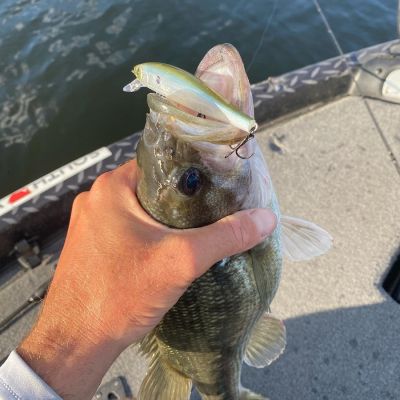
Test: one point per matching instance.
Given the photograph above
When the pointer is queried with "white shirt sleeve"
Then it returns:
(19, 382)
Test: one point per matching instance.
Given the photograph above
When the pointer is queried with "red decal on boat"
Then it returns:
(18, 195)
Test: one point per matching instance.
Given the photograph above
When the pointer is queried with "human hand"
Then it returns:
(120, 271)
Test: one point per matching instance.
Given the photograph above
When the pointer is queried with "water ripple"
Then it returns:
(118, 23)
(22, 115)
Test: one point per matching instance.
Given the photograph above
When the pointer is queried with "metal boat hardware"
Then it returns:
(116, 389)
(391, 283)
(28, 253)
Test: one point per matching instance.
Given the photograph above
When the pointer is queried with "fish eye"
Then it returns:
(190, 181)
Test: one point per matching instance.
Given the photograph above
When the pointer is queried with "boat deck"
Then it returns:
(330, 166)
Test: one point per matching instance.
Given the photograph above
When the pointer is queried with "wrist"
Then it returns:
(69, 361)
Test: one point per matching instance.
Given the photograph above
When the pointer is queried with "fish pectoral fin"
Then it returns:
(148, 346)
(302, 240)
(161, 381)
(246, 394)
(164, 383)
(267, 341)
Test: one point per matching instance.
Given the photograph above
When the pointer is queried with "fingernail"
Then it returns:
(265, 220)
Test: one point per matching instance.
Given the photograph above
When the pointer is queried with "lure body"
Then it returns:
(183, 88)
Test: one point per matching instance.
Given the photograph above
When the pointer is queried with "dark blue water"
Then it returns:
(63, 63)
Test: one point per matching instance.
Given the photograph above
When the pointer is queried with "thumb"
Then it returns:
(231, 235)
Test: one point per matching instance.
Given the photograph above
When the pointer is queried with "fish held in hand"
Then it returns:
(186, 181)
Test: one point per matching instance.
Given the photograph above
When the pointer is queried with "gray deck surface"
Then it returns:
(343, 329)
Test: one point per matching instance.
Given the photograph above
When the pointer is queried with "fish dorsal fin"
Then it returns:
(302, 240)
(267, 341)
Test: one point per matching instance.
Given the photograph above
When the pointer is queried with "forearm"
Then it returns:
(69, 361)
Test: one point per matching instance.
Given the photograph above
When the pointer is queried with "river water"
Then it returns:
(63, 63)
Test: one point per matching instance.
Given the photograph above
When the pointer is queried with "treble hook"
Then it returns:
(238, 146)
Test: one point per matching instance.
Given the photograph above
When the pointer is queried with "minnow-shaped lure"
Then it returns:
(187, 90)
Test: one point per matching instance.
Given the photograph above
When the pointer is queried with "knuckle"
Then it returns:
(100, 188)
(79, 201)
(102, 182)
(78, 205)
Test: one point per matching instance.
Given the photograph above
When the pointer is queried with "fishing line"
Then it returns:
(260, 43)
(367, 106)
(398, 18)
(33, 299)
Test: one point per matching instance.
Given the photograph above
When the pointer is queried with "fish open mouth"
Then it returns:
(187, 125)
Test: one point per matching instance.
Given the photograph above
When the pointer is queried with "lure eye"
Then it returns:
(190, 182)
